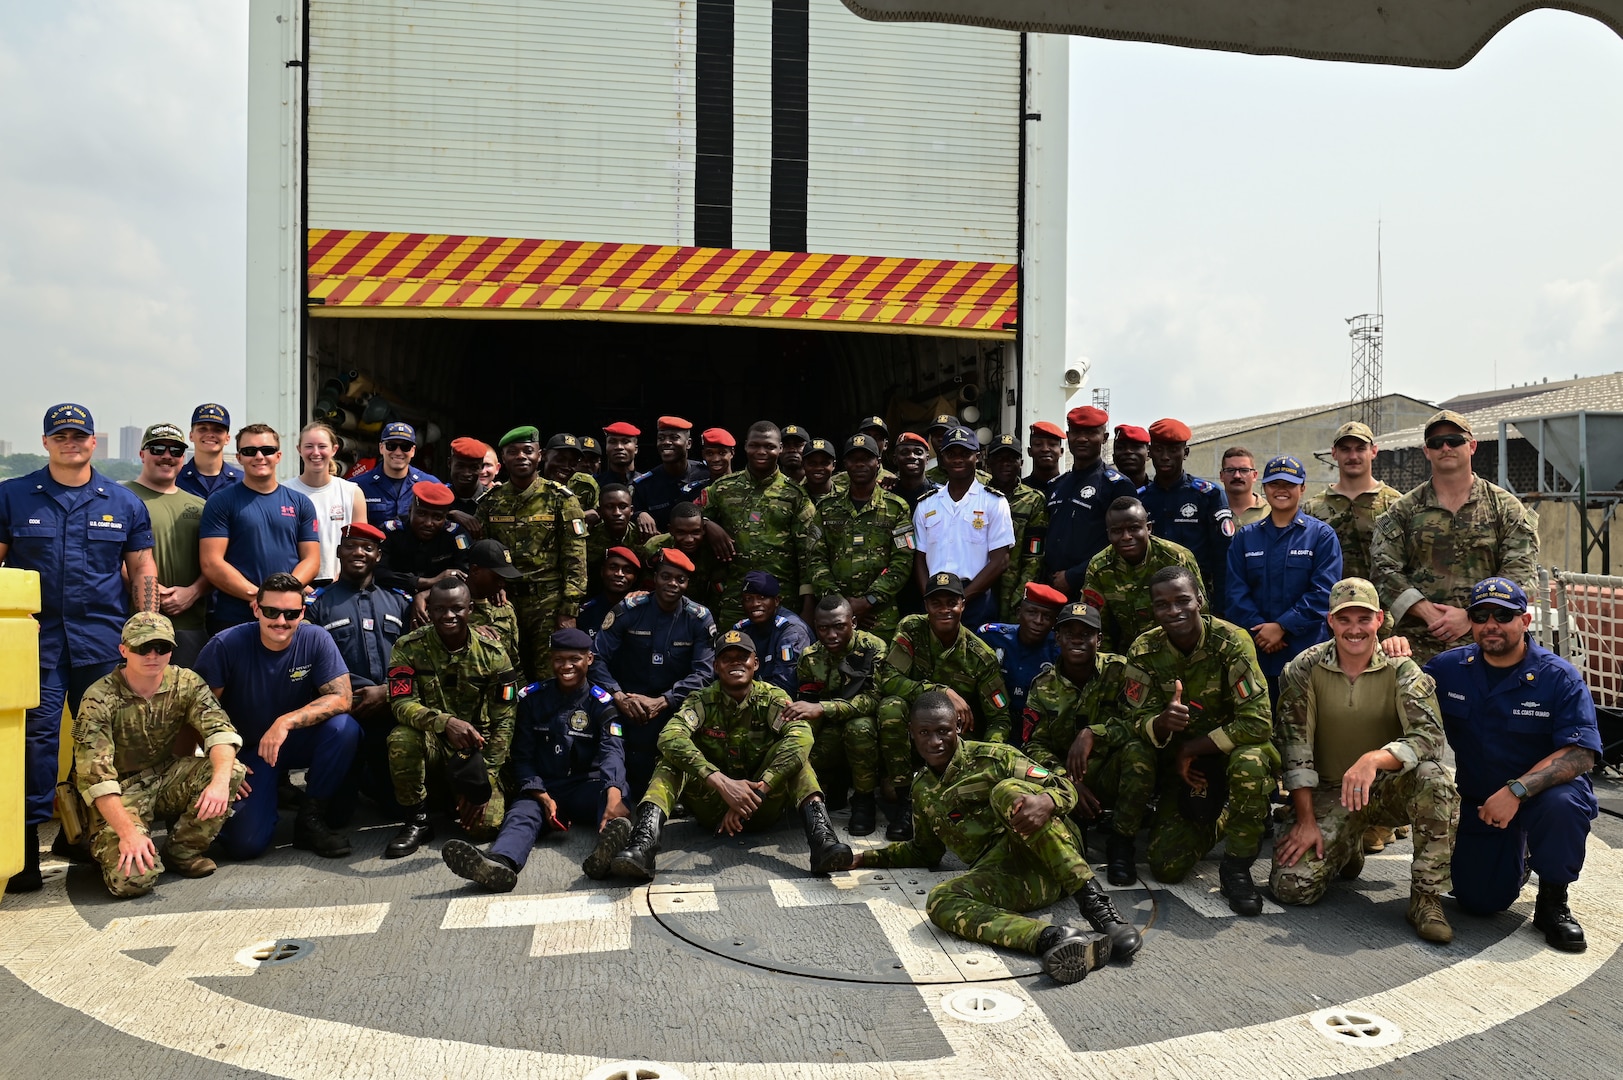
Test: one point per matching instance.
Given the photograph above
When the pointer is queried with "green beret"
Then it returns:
(528, 433)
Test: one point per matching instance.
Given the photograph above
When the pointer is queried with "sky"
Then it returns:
(1222, 220)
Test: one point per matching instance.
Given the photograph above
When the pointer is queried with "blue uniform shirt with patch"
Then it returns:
(649, 651)
(656, 491)
(388, 498)
(364, 623)
(1283, 576)
(1020, 665)
(562, 736)
(778, 645)
(1077, 502)
(1195, 513)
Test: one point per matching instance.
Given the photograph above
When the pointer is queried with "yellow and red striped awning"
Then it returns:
(402, 274)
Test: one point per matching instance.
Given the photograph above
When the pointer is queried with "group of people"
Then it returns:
(999, 657)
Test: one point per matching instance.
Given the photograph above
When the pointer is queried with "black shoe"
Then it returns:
(610, 840)
(289, 796)
(310, 832)
(636, 859)
(413, 834)
(1234, 881)
(1551, 915)
(1068, 954)
(1121, 861)
(834, 796)
(29, 878)
(75, 853)
(901, 824)
(466, 861)
(1101, 913)
(864, 813)
(827, 853)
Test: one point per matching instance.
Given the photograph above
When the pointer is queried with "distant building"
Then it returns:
(1304, 433)
(103, 449)
(5, 448)
(129, 442)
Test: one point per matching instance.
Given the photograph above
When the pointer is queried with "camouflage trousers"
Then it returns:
(1015, 875)
(417, 759)
(705, 804)
(537, 619)
(852, 744)
(166, 792)
(1124, 781)
(1425, 796)
(1177, 843)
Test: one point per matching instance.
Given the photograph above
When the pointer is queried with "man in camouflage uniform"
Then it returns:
(1362, 740)
(763, 521)
(1005, 816)
(128, 774)
(1119, 576)
(687, 536)
(1196, 693)
(1440, 539)
(836, 696)
(1028, 510)
(490, 572)
(454, 695)
(934, 651)
(867, 541)
(539, 522)
(560, 463)
(1076, 719)
(735, 760)
(614, 527)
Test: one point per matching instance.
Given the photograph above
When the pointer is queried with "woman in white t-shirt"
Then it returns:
(339, 502)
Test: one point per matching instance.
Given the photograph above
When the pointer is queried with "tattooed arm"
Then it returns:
(142, 571)
(332, 698)
(1567, 763)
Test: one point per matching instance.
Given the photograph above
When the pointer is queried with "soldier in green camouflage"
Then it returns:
(1438, 540)
(539, 522)
(1004, 815)
(128, 774)
(614, 527)
(1028, 510)
(490, 571)
(759, 519)
(836, 696)
(454, 695)
(935, 651)
(1196, 693)
(1075, 719)
(735, 758)
(867, 541)
(1118, 578)
(1361, 736)
(686, 536)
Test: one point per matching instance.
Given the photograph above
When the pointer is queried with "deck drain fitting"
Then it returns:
(275, 953)
(634, 1070)
(982, 1006)
(1348, 1027)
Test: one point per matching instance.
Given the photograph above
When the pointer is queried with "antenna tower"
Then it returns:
(1367, 333)
(1101, 398)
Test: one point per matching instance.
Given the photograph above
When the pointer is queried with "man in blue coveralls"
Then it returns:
(77, 529)
(387, 488)
(1522, 725)
(1024, 648)
(1188, 510)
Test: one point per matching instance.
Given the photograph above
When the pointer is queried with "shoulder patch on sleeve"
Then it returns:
(633, 601)
(615, 729)
(462, 542)
(1200, 483)
(402, 680)
(1037, 772)
(1134, 691)
(601, 694)
(526, 691)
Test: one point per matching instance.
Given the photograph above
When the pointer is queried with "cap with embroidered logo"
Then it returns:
(399, 431)
(1284, 467)
(942, 420)
(960, 436)
(1499, 591)
(1080, 612)
(158, 433)
(1005, 442)
(211, 413)
(819, 446)
(1354, 592)
(1353, 429)
(794, 431)
(589, 445)
(492, 555)
(946, 582)
(735, 639)
(564, 441)
(68, 417)
(860, 442)
(874, 422)
(145, 626)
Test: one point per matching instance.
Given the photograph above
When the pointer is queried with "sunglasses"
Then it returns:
(166, 450)
(1437, 442)
(275, 614)
(1497, 614)
(398, 447)
(151, 647)
(258, 451)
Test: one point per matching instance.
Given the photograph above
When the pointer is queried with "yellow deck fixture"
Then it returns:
(19, 692)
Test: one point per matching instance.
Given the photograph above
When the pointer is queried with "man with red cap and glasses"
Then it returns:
(425, 549)
(1078, 501)
(1130, 453)
(619, 454)
(1046, 445)
(675, 479)
(1189, 510)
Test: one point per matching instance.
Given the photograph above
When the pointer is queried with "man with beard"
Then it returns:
(1077, 502)
(182, 589)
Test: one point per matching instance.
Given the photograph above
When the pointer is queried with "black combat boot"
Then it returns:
(413, 834)
(495, 873)
(1068, 954)
(1234, 881)
(1102, 915)
(864, 813)
(609, 841)
(1551, 915)
(901, 824)
(29, 878)
(827, 853)
(636, 859)
(1121, 860)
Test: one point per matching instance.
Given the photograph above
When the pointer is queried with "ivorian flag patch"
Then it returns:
(579, 526)
(1000, 700)
(1248, 688)
(401, 680)
(1135, 691)
(614, 729)
(1036, 772)
(510, 691)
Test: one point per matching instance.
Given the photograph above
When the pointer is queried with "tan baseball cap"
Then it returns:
(1353, 592)
(145, 626)
(1356, 430)
(1449, 416)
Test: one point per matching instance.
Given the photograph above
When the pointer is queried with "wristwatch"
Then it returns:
(1517, 788)
(873, 601)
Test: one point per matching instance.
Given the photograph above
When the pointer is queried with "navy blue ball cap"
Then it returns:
(69, 417)
(1284, 467)
(1501, 592)
(761, 583)
(572, 639)
(211, 413)
(960, 436)
(399, 431)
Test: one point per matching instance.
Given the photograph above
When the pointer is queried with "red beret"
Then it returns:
(1131, 433)
(1044, 427)
(625, 553)
(1169, 430)
(362, 529)
(432, 494)
(1087, 416)
(913, 436)
(716, 436)
(1044, 594)
(675, 557)
(620, 427)
(472, 449)
(675, 423)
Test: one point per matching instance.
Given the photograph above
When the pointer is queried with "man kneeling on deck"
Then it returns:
(1005, 816)
(763, 765)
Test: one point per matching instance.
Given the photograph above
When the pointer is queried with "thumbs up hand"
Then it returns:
(1175, 717)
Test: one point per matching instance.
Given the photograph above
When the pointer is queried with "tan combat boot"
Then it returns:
(195, 867)
(1426, 916)
(1376, 837)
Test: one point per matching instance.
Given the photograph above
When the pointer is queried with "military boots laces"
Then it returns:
(311, 832)
(1552, 915)
(1101, 913)
(1234, 881)
(827, 853)
(636, 859)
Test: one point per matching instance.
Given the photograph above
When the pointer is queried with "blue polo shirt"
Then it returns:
(76, 539)
(263, 533)
(1283, 576)
(258, 684)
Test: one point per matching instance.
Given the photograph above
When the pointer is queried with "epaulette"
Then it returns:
(740, 624)
(781, 620)
(693, 607)
(392, 525)
(635, 601)
(600, 694)
(311, 597)
(1112, 475)
(488, 633)
(526, 691)
(996, 628)
(402, 593)
(1201, 484)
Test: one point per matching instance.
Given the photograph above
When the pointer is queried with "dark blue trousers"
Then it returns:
(1548, 833)
(581, 804)
(42, 739)
(326, 750)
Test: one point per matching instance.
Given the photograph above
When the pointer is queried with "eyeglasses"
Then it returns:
(166, 450)
(1497, 614)
(258, 451)
(1437, 442)
(398, 447)
(1238, 472)
(150, 647)
(276, 614)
